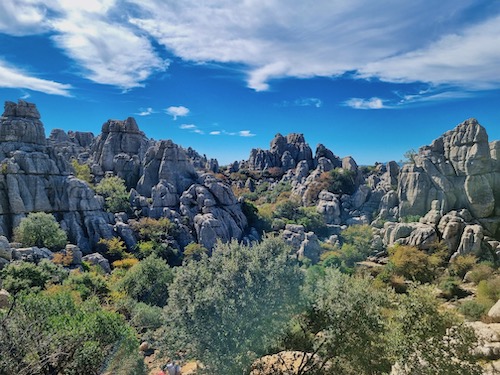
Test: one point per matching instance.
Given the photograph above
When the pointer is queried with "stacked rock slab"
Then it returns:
(460, 170)
(120, 149)
(34, 177)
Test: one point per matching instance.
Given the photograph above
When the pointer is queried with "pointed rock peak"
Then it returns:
(117, 126)
(21, 109)
(295, 138)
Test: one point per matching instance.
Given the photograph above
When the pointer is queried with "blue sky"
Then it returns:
(370, 79)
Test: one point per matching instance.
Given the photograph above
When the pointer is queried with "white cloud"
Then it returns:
(145, 112)
(245, 133)
(179, 111)
(22, 17)
(372, 103)
(198, 131)
(187, 126)
(215, 132)
(303, 102)
(397, 41)
(15, 78)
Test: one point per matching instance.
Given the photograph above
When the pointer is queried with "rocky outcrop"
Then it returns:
(120, 149)
(34, 177)
(71, 145)
(285, 153)
(201, 162)
(459, 170)
(305, 244)
(167, 164)
(214, 211)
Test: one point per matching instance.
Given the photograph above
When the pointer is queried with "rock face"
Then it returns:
(285, 152)
(120, 148)
(305, 244)
(459, 170)
(36, 178)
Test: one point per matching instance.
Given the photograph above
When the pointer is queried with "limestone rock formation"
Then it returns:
(36, 178)
(285, 152)
(305, 244)
(120, 148)
(459, 170)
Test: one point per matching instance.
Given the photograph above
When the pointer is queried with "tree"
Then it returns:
(226, 309)
(82, 171)
(425, 340)
(42, 230)
(115, 194)
(54, 334)
(148, 281)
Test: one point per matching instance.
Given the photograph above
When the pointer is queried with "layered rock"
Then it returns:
(120, 149)
(285, 152)
(36, 178)
(459, 170)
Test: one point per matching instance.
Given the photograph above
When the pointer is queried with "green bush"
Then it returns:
(82, 171)
(88, 284)
(194, 251)
(53, 334)
(413, 264)
(461, 265)
(472, 310)
(488, 291)
(450, 287)
(25, 276)
(147, 281)
(480, 272)
(115, 194)
(42, 230)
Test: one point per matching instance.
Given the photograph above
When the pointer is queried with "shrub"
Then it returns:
(147, 281)
(40, 229)
(472, 310)
(114, 248)
(411, 219)
(194, 251)
(88, 284)
(461, 265)
(479, 272)
(115, 194)
(342, 181)
(413, 264)
(82, 171)
(125, 263)
(488, 291)
(450, 288)
(25, 276)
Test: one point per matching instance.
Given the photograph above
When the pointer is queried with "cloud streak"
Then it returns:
(358, 103)
(145, 112)
(14, 78)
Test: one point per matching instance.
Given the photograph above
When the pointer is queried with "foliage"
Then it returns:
(226, 309)
(413, 264)
(23, 276)
(155, 236)
(125, 263)
(146, 317)
(461, 265)
(114, 248)
(480, 272)
(40, 229)
(88, 284)
(194, 251)
(147, 281)
(291, 212)
(410, 156)
(488, 291)
(411, 219)
(427, 341)
(450, 288)
(53, 334)
(341, 181)
(115, 194)
(82, 171)
(472, 309)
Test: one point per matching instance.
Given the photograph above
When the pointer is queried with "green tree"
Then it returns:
(115, 194)
(425, 340)
(226, 309)
(53, 334)
(40, 229)
(148, 281)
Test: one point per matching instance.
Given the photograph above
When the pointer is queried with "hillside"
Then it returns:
(153, 237)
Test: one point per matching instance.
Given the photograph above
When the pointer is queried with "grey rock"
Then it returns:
(494, 313)
(5, 249)
(4, 299)
(98, 260)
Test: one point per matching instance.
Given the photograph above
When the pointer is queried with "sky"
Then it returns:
(368, 79)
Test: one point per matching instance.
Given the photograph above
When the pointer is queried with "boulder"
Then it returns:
(4, 299)
(97, 259)
(494, 312)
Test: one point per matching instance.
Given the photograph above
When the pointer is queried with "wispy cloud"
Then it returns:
(396, 41)
(303, 102)
(179, 111)
(187, 126)
(245, 133)
(215, 132)
(198, 131)
(22, 17)
(145, 112)
(15, 78)
(358, 103)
